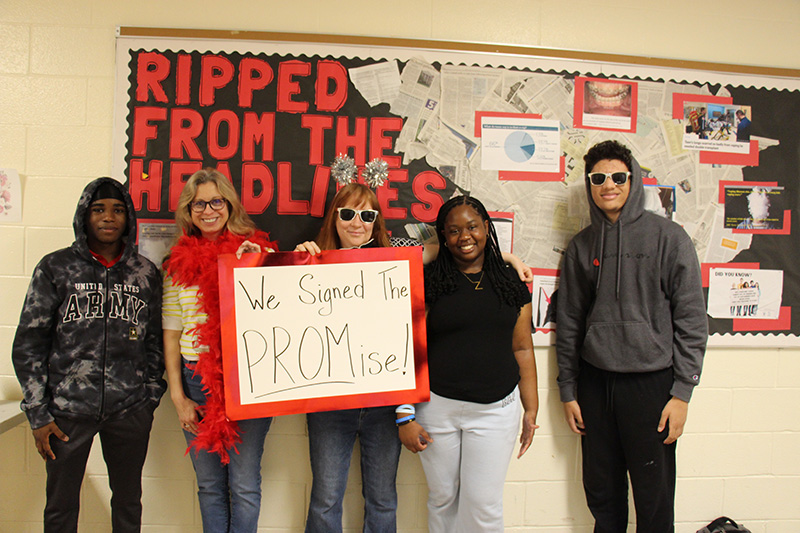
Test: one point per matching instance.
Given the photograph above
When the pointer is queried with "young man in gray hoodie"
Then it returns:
(632, 331)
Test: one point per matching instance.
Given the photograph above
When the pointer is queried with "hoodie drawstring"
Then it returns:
(600, 257)
(619, 254)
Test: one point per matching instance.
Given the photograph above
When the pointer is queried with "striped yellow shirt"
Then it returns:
(180, 311)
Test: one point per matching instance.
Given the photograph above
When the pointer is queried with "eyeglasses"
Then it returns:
(200, 205)
(599, 178)
(367, 216)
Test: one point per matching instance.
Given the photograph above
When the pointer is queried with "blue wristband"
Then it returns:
(404, 420)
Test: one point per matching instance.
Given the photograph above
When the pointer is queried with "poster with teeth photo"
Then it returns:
(605, 104)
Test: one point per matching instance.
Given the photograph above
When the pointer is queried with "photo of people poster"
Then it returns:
(754, 207)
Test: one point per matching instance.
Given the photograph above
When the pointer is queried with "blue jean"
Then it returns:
(229, 495)
(331, 437)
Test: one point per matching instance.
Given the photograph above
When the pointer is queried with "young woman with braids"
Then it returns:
(481, 364)
(226, 455)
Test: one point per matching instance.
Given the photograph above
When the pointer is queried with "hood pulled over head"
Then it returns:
(631, 211)
(99, 189)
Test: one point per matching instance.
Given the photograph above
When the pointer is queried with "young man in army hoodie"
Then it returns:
(631, 335)
(88, 356)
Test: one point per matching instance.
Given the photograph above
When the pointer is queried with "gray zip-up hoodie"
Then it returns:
(630, 298)
(88, 342)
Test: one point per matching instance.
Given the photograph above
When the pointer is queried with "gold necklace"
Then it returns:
(477, 284)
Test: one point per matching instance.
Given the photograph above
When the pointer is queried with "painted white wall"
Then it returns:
(739, 455)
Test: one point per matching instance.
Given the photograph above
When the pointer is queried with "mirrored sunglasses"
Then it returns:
(367, 216)
(599, 178)
(200, 205)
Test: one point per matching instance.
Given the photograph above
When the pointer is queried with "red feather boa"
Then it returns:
(193, 261)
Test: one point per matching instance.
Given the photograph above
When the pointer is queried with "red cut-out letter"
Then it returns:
(331, 73)
(231, 120)
(252, 173)
(258, 130)
(143, 130)
(387, 194)
(179, 172)
(429, 202)
(215, 73)
(286, 205)
(254, 75)
(149, 184)
(183, 80)
(288, 87)
(319, 190)
(151, 69)
(378, 142)
(185, 125)
(316, 126)
(357, 141)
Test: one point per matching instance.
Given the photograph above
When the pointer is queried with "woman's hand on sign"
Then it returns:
(308, 246)
(247, 247)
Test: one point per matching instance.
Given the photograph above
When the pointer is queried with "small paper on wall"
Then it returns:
(377, 83)
(742, 293)
(544, 311)
(606, 104)
(520, 144)
(155, 239)
(10, 196)
(504, 228)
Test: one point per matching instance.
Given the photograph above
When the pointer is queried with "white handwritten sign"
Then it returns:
(324, 334)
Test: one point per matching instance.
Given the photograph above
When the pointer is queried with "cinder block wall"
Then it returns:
(740, 453)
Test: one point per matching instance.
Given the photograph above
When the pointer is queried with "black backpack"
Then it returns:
(723, 524)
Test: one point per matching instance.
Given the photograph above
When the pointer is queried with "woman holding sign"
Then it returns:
(481, 364)
(226, 455)
(354, 220)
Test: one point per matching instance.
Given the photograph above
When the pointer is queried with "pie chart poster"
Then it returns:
(520, 144)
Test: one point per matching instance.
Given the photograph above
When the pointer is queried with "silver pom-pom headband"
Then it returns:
(376, 172)
(344, 171)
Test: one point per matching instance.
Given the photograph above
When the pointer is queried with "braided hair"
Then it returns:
(441, 275)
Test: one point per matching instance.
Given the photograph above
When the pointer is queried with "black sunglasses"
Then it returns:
(367, 216)
(599, 178)
(200, 205)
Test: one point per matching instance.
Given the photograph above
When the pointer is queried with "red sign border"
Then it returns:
(236, 411)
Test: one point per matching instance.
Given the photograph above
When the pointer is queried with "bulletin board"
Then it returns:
(508, 125)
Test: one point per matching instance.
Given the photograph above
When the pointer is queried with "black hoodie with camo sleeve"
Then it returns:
(89, 342)
(630, 298)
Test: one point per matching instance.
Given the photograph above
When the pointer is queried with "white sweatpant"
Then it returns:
(467, 462)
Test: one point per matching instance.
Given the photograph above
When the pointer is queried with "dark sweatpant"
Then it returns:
(621, 414)
(124, 442)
